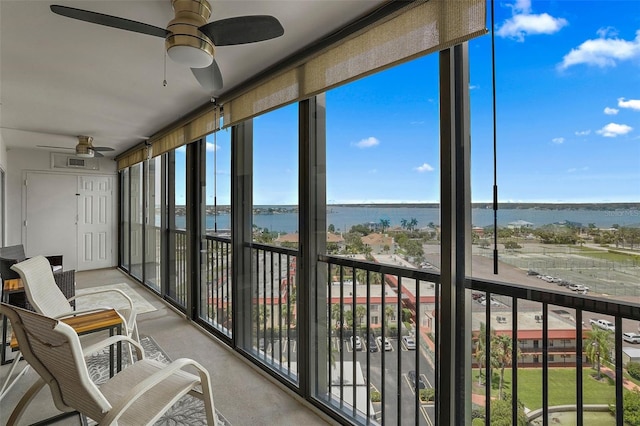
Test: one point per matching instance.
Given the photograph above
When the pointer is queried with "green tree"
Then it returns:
(512, 245)
(480, 351)
(501, 348)
(361, 313)
(403, 223)
(598, 347)
(384, 224)
(413, 223)
(389, 312)
(331, 228)
(501, 413)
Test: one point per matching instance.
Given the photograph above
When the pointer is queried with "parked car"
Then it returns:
(603, 324)
(578, 287)
(631, 337)
(413, 377)
(373, 346)
(387, 343)
(533, 273)
(358, 344)
(409, 342)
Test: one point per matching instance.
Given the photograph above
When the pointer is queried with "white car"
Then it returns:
(387, 343)
(358, 344)
(409, 342)
(578, 287)
(631, 337)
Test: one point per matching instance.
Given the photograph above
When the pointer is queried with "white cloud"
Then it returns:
(603, 52)
(557, 140)
(473, 86)
(424, 168)
(367, 143)
(631, 103)
(583, 132)
(610, 111)
(612, 130)
(524, 23)
(212, 147)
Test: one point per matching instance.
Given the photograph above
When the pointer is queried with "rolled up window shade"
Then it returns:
(419, 29)
(196, 128)
(131, 158)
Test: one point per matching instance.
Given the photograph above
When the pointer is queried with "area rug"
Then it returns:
(187, 411)
(112, 299)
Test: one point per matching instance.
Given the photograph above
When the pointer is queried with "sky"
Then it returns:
(568, 113)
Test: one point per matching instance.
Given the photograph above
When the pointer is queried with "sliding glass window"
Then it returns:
(275, 239)
(215, 288)
(177, 251)
(125, 228)
(137, 219)
(153, 227)
(383, 252)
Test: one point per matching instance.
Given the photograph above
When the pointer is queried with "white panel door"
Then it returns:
(50, 216)
(95, 222)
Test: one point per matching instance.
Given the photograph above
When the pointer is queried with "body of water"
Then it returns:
(344, 217)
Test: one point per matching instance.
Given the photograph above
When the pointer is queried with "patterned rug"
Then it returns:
(188, 411)
(112, 299)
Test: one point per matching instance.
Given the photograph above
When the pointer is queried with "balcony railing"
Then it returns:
(274, 308)
(177, 288)
(216, 303)
(368, 313)
(555, 307)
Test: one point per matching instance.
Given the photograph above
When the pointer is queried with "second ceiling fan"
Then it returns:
(189, 38)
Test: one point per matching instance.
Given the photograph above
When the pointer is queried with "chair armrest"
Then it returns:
(112, 341)
(153, 380)
(130, 321)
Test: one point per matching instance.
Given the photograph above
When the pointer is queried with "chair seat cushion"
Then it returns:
(152, 404)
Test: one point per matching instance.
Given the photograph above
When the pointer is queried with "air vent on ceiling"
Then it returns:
(62, 161)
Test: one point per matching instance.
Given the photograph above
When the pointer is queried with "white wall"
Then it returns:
(19, 162)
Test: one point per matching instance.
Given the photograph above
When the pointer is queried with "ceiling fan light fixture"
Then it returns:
(85, 152)
(189, 51)
(185, 44)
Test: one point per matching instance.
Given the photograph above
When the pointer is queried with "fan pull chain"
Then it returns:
(164, 82)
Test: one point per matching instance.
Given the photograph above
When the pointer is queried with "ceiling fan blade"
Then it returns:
(54, 147)
(109, 21)
(97, 154)
(242, 30)
(102, 148)
(210, 78)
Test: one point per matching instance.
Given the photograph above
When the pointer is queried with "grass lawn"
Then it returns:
(607, 255)
(562, 386)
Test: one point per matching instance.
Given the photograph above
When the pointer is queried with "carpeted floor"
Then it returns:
(188, 411)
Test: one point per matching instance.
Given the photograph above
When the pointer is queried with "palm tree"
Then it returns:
(384, 223)
(361, 312)
(501, 348)
(388, 314)
(413, 223)
(336, 312)
(598, 346)
(403, 223)
(480, 352)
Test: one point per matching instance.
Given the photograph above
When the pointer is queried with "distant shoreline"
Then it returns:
(501, 206)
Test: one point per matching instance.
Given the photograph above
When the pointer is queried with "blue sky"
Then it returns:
(568, 110)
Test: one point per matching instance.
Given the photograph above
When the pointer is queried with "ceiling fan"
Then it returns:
(189, 39)
(84, 148)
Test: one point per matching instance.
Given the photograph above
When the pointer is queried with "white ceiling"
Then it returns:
(60, 77)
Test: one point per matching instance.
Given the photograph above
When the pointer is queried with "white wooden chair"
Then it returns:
(46, 298)
(137, 395)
